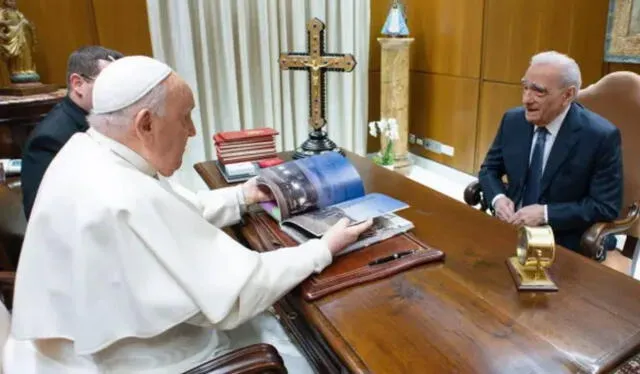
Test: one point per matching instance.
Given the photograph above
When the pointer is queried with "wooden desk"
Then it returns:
(463, 315)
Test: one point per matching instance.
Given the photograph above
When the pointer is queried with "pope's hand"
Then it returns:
(254, 193)
(342, 235)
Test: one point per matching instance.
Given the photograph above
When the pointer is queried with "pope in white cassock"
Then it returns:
(122, 271)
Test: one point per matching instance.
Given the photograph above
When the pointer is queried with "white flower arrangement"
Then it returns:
(389, 129)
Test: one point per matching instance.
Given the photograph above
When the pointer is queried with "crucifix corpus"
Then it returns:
(317, 63)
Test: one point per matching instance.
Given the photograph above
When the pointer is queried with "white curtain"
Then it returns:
(227, 51)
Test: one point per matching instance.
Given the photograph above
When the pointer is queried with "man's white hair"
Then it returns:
(119, 121)
(569, 67)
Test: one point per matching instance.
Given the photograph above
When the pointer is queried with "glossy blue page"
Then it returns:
(333, 176)
(311, 183)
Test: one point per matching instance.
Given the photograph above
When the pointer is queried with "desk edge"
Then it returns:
(204, 175)
(333, 338)
(625, 351)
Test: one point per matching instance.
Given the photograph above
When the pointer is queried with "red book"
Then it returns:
(259, 139)
(234, 136)
(270, 162)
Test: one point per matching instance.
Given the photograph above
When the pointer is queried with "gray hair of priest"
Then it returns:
(570, 70)
(119, 121)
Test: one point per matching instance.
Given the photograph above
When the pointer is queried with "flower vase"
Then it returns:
(388, 129)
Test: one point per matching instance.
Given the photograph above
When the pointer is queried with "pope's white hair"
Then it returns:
(569, 67)
(119, 121)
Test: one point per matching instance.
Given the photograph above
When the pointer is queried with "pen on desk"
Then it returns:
(392, 257)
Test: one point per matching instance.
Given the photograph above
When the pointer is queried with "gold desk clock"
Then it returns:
(534, 255)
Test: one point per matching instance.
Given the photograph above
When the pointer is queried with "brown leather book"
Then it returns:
(377, 261)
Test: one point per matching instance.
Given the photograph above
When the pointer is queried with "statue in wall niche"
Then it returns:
(17, 47)
(17, 43)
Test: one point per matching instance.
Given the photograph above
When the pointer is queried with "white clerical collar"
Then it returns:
(556, 123)
(123, 151)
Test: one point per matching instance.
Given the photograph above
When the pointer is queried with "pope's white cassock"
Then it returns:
(124, 272)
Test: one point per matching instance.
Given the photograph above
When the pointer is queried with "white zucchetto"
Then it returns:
(125, 81)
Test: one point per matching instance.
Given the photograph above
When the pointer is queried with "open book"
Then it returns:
(312, 194)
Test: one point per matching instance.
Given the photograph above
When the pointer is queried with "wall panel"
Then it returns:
(517, 29)
(495, 99)
(131, 36)
(444, 108)
(448, 36)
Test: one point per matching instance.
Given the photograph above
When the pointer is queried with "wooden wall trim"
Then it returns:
(480, 90)
(92, 21)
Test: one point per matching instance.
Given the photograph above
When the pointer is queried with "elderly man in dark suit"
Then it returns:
(563, 162)
(64, 120)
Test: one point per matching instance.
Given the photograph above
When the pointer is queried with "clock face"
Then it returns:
(536, 246)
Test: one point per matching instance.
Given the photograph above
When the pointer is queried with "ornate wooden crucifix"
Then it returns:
(317, 63)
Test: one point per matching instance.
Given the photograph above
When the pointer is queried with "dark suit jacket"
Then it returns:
(582, 180)
(44, 142)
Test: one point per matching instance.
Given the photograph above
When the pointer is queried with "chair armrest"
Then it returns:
(254, 359)
(7, 281)
(473, 195)
(7, 278)
(592, 240)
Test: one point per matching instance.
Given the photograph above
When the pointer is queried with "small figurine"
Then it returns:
(17, 43)
(396, 23)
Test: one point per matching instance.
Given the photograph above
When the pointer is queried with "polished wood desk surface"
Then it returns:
(465, 315)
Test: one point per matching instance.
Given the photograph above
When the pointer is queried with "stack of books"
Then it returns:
(245, 145)
(238, 152)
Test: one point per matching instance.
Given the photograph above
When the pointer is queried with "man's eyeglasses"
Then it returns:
(87, 78)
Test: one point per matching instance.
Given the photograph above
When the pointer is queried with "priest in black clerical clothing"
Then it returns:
(64, 120)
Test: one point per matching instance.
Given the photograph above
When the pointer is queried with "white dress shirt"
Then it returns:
(553, 127)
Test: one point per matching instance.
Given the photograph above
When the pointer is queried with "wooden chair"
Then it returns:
(254, 359)
(615, 97)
